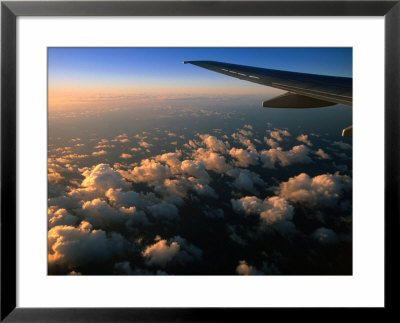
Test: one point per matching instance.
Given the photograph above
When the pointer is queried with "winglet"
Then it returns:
(347, 132)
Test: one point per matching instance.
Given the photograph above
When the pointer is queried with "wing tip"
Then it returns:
(347, 132)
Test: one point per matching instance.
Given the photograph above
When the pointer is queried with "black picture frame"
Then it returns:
(10, 10)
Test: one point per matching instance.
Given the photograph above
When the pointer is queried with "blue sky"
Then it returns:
(165, 64)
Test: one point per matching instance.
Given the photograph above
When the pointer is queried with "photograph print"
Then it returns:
(199, 161)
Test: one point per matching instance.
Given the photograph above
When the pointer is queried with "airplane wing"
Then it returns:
(303, 90)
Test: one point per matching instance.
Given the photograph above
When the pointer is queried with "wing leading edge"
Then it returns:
(303, 90)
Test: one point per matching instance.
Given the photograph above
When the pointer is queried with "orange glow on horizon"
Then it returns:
(66, 97)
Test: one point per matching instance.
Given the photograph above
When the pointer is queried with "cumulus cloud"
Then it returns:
(99, 213)
(195, 168)
(201, 187)
(340, 167)
(126, 156)
(121, 138)
(267, 269)
(128, 205)
(304, 138)
(244, 269)
(341, 145)
(273, 156)
(77, 246)
(244, 158)
(144, 144)
(126, 199)
(102, 177)
(273, 210)
(324, 190)
(213, 144)
(68, 158)
(242, 137)
(271, 142)
(136, 149)
(99, 153)
(98, 180)
(164, 210)
(125, 268)
(148, 171)
(174, 251)
(325, 236)
(322, 154)
(180, 187)
(54, 177)
(245, 180)
(60, 217)
(277, 134)
(211, 160)
(172, 160)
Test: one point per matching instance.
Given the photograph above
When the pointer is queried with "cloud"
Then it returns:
(124, 268)
(195, 168)
(211, 160)
(65, 159)
(125, 156)
(123, 209)
(244, 269)
(341, 145)
(213, 212)
(60, 217)
(144, 144)
(321, 190)
(245, 180)
(298, 154)
(62, 201)
(278, 133)
(148, 171)
(99, 153)
(121, 138)
(136, 149)
(102, 177)
(98, 180)
(244, 158)
(54, 177)
(172, 160)
(164, 210)
(273, 210)
(180, 187)
(325, 236)
(340, 167)
(101, 214)
(201, 187)
(267, 269)
(126, 199)
(241, 136)
(322, 154)
(214, 144)
(304, 138)
(74, 273)
(100, 146)
(176, 250)
(271, 142)
(74, 247)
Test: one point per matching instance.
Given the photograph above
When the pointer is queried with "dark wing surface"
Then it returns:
(303, 90)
